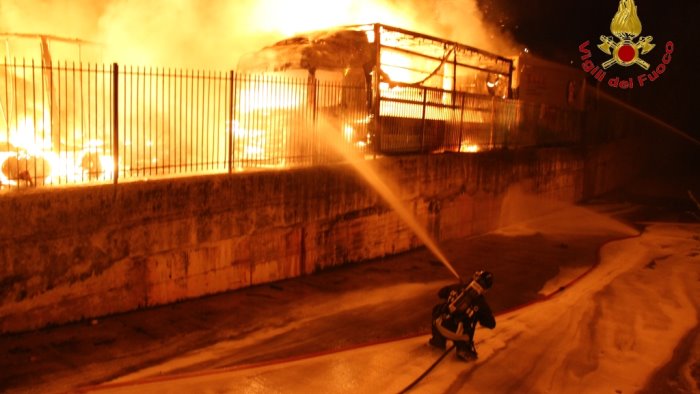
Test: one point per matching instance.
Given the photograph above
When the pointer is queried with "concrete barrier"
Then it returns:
(82, 252)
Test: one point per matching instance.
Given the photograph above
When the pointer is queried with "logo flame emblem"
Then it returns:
(626, 26)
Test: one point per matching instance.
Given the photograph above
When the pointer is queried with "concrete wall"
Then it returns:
(73, 253)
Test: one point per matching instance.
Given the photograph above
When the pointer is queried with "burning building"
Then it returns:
(418, 93)
(36, 104)
(383, 89)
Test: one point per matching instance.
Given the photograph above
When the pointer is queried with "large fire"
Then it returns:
(187, 33)
(422, 88)
(213, 34)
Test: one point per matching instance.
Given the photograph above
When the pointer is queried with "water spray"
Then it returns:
(370, 175)
(646, 116)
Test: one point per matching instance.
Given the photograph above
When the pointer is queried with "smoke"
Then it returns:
(462, 21)
(66, 18)
(213, 34)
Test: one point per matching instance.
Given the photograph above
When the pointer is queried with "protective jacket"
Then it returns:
(461, 322)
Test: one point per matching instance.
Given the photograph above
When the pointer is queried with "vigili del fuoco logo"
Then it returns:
(627, 49)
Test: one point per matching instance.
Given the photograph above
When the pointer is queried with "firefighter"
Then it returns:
(456, 317)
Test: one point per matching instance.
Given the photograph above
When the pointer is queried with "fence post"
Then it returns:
(461, 124)
(230, 118)
(377, 93)
(115, 120)
(316, 140)
(454, 77)
(510, 79)
(422, 133)
(492, 143)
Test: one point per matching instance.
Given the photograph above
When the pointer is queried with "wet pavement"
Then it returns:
(346, 307)
(626, 325)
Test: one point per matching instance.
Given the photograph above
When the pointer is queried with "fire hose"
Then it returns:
(427, 371)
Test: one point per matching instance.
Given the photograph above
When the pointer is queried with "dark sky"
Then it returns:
(554, 29)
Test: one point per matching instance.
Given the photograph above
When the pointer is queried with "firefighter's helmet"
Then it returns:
(484, 278)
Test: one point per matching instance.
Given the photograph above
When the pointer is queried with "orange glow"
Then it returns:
(26, 137)
(32, 159)
(467, 146)
(397, 67)
(253, 145)
(213, 35)
(291, 17)
(268, 95)
(459, 20)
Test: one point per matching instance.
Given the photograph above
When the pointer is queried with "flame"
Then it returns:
(467, 146)
(396, 66)
(626, 24)
(267, 95)
(25, 137)
(255, 145)
(190, 33)
(33, 160)
(215, 33)
(287, 18)
(93, 163)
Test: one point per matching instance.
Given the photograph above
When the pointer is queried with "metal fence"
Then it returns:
(427, 120)
(69, 123)
(56, 123)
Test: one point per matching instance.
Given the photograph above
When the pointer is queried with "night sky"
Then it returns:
(554, 29)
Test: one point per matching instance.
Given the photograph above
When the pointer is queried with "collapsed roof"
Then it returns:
(328, 50)
(400, 56)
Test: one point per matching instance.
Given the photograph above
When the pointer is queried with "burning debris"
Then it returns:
(38, 142)
(401, 57)
(24, 168)
(323, 50)
(384, 89)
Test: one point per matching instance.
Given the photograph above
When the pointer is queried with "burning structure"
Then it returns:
(418, 91)
(35, 104)
(384, 89)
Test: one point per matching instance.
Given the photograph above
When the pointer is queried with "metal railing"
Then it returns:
(71, 123)
(421, 119)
